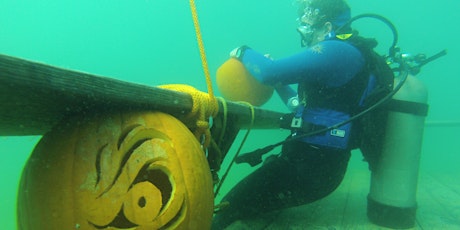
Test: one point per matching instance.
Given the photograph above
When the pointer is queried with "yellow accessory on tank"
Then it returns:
(235, 83)
(126, 170)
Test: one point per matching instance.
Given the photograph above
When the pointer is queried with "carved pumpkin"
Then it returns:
(237, 84)
(118, 171)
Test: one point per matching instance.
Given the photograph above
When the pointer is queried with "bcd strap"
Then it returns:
(416, 108)
(292, 122)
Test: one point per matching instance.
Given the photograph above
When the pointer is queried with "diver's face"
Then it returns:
(311, 29)
(312, 34)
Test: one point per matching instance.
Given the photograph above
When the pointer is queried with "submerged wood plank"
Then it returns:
(35, 96)
(438, 203)
(327, 213)
(355, 211)
(448, 179)
(438, 207)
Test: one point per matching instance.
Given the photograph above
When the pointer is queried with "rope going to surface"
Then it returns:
(204, 62)
(210, 91)
(212, 100)
(205, 105)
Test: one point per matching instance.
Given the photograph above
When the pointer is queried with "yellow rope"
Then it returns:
(209, 100)
(202, 109)
(205, 105)
(202, 54)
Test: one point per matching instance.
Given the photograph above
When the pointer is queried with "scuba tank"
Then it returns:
(394, 172)
(393, 147)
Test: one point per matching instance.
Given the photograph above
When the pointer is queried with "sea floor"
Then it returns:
(438, 199)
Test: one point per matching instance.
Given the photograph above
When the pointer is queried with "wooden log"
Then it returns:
(35, 96)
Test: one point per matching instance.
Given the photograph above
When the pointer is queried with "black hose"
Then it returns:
(255, 157)
(393, 49)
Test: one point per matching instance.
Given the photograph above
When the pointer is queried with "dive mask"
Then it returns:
(311, 18)
(307, 23)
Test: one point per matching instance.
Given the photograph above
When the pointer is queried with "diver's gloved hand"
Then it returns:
(238, 52)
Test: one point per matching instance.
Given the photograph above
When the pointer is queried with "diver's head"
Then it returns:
(318, 19)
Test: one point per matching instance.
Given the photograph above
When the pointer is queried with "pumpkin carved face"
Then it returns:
(119, 171)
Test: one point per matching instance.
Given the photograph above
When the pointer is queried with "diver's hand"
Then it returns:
(238, 52)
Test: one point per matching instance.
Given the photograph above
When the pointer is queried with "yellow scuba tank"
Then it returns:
(392, 196)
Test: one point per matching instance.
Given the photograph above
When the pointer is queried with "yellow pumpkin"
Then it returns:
(137, 170)
(237, 84)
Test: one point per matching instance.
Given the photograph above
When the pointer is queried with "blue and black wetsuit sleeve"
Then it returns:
(330, 64)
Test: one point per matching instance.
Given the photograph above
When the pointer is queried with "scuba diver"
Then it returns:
(332, 84)
(338, 75)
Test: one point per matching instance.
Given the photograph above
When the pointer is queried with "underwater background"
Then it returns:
(153, 42)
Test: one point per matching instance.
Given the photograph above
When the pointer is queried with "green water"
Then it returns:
(153, 42)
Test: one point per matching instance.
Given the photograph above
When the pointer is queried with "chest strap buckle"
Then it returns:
(296, 122)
